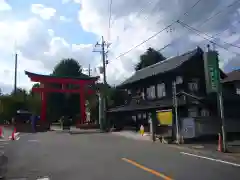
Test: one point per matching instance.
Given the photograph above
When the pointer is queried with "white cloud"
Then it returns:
(65, 1)
(135, 21)
(65, 19)
(4, 6)
(40, 48)
(45, 13)
(69, 1)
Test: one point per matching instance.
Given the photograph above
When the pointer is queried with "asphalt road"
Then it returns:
(98, 156)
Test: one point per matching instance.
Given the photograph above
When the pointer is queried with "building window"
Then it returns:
(179, 80)
(134, 118)
(161, 90)
(139, 116)
(193, 85)
(144, 116)
(238, 91)
(193, 112)
(143, 95)
(151, 94)
(205, 113)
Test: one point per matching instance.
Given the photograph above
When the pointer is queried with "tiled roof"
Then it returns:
(161, 67)
(166, 103)
(82, 77)
(232, 76)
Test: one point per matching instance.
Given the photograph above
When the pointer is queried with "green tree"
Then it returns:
(117, 97)
(21, 95)
(68, 68)
(60, 104)
(21, 100)
(150, 57)
(36, 85)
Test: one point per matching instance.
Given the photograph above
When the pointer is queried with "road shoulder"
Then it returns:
(233, 157)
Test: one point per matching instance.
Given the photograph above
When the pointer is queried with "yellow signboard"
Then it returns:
(165, 117)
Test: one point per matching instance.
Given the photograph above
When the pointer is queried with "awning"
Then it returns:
(160, 104)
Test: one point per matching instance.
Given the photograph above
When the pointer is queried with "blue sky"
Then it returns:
(71, 31)
(47, 31)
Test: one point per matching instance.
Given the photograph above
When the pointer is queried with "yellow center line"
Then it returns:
(147, 169)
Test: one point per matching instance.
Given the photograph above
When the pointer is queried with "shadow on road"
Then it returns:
(3, 166)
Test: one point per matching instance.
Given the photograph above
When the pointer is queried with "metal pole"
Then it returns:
(104, 81)
(104, 61)
(15, 74)
(153, 125)
(176, 110)
(89, 70)
(100, 111)
(220, 100)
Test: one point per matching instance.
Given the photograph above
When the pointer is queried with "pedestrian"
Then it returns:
(33, 122)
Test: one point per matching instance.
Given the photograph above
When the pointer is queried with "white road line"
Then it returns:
(3, 140)
(33, 140)
(211, 159)
(5, 143)
(44, 178)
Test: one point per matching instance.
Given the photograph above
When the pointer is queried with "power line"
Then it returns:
(164, 47)
(122, 54)
(145, 40)
(223, 31)
(110, 17)
(204, 22)
(149, 2)
(230, 44)
(200, 35)
(219, 12)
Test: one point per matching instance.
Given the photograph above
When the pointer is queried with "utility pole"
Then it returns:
(221, 107)
(212, 74)
(105, 84)
(103, 101)
(89, 70)
(175, 104)
(15, 74)
(104, 61)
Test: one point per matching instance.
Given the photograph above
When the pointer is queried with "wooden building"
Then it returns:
(151, 89)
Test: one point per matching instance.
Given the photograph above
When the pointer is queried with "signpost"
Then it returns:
(213, 85)
(165, 117)
(212, 72)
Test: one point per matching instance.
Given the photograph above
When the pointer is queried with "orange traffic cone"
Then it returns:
(13, 133)
(219, 142)
(1, 132)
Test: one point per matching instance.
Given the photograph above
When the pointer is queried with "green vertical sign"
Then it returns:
(212, 73)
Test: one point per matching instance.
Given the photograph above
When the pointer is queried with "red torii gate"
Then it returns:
(44, 80)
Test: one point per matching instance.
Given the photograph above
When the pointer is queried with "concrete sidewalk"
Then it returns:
(212, 150)
(74, 130)
(199, 148)
(133, 135)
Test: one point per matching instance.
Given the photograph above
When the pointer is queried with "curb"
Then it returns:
(203, 151)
